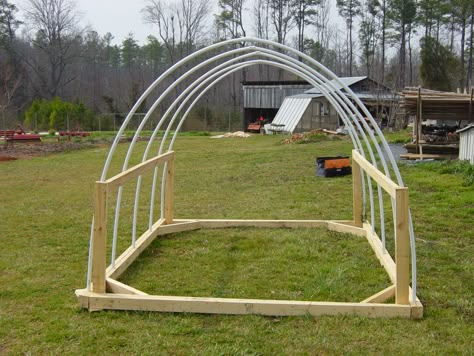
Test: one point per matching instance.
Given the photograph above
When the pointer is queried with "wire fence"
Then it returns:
(201, 121)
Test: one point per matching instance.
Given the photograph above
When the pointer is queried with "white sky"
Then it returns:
(120, 17)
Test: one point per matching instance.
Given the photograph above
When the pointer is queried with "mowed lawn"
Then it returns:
(45, 215)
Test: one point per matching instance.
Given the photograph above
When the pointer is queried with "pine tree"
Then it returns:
(349, 10)
(402, 16)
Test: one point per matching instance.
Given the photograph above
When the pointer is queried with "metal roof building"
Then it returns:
(264, 98)
(311, 110)
(466, 143)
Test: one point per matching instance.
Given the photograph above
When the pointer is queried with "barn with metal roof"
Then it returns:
(311, 110)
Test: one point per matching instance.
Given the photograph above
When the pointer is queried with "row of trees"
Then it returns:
(47, 54)
(443, 25)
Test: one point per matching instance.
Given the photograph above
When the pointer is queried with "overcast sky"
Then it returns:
(120, 17)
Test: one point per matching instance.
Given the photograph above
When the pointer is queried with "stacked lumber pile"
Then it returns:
(437, 105)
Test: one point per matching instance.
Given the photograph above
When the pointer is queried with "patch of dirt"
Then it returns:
(312, 136)
(29, 150)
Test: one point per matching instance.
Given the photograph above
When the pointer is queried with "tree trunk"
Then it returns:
(410, 80)
(350, 48)
(469, 69)
(463, 60)
(402, 57)
(383, 40)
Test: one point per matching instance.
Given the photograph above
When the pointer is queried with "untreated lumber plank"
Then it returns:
(357, 193)
(138, 170)
(131, 253)
(223, 223)
(346, 229)
(383, 256)
(179, 227)
(99, 241)
(402, 247)
(169, 192)
(386, 183)
(117, 287)
(240, 306)
(382, 296)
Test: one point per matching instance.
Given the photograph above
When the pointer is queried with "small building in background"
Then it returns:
(311, 110)
(264, 98)
(466, 143)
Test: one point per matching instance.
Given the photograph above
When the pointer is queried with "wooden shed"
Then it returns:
(466, 143)
(264, 98)
(312, 110)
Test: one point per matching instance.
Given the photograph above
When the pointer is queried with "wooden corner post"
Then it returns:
(357, 192)
(169, 192)
(99, 245)
(402, 247)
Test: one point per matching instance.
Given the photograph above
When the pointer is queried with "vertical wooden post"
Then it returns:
(357, 193)
(470, 104)
(419, 118)
(99, 245)
(402, 247)
(169, 192)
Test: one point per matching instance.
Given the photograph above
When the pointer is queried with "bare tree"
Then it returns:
(10, 82)
(321, 23)
(230, 17)
(180, 26)
(55, 27)
(261, 17)
(163, 17)
(304, 14)
(281, 16)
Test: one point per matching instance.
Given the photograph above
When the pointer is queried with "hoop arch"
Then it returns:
(347, 105)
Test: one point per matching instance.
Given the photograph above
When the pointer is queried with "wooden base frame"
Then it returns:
(119, 296)
(106, 292)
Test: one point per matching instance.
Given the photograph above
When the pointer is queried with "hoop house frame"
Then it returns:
(104, 291)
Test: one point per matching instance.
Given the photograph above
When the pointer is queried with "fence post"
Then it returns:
(402, 247)
(356, 192)
(99, 245)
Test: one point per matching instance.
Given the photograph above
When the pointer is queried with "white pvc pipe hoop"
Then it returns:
(347, 105)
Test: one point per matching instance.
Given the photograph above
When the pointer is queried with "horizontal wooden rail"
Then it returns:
(138, 170)
(99, 301)
(386, 183)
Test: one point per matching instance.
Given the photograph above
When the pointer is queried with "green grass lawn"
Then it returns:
(46, 211)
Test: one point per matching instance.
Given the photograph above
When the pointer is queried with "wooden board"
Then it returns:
(346, 229)
(418, 156)
(387, 184)
(99, 242)
(131, 253)
(357, 199)
(382, 296)
(97, 301)
(138, 170)
(217, 224)
(117, 287)
(169, 192)
(402, 247)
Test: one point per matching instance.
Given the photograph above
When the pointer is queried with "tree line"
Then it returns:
(47, 54)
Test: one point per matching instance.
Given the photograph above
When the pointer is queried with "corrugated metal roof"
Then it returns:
(269, 96)
(468, 127)
(346, 80)
(291, 112)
